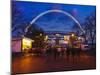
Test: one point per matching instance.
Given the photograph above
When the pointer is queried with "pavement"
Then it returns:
(30, 63)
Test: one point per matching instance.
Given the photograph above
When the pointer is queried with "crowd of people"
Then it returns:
(61, 52)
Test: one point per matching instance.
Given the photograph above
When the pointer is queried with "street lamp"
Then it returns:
(65, 37)
(46, 37)
(57, 35)
(72, 34)
(40, 34)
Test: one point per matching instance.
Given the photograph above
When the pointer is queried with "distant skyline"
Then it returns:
(53, 21)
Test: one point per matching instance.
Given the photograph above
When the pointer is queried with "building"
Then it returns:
(21, 44)
(61, 38)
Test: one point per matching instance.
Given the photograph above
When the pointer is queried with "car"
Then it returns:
(85, 47)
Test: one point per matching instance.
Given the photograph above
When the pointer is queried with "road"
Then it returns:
(35, 64)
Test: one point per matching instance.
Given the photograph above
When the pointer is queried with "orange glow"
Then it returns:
(72, 35)
(40, 34)
(26, 43)
(46, 38)
(66, 38)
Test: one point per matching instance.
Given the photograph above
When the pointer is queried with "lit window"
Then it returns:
(26, 44)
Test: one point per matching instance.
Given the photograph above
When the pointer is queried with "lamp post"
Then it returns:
(72, 34)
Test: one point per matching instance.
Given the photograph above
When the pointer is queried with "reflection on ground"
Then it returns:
(33, 64)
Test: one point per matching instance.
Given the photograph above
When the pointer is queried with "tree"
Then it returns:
(73, 38)
(33, 31)
(89, 25)
(37, 34)
(18, 21)
(90, 28)
(76, 29)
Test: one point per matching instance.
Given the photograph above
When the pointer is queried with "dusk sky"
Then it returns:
(53, 21)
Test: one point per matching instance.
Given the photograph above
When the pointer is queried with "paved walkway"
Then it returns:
(34, 64)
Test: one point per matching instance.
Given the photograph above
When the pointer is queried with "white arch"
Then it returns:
(58, 11)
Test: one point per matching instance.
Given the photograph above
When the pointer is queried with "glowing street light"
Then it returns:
(65, 37)
(46, 38)
(57, 35)
(79, 38)
(40, 34)
(72, 35)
